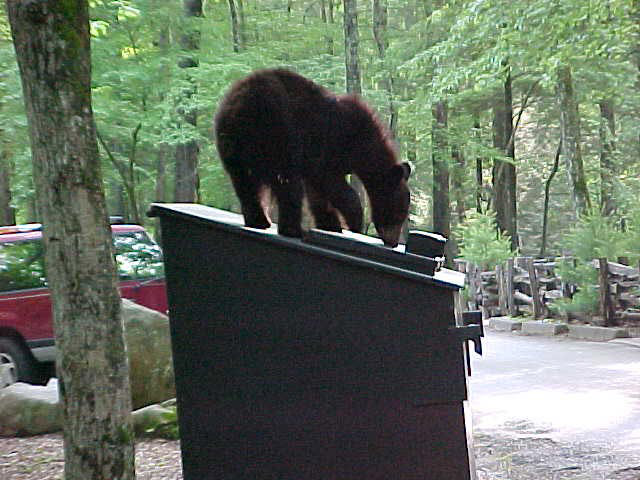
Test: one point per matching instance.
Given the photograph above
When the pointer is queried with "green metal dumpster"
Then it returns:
(328, 358)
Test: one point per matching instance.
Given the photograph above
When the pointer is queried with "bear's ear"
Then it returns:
(398, 173)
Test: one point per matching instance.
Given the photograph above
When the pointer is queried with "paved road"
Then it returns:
(555, 408)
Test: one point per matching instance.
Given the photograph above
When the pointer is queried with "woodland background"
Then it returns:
(501, 106)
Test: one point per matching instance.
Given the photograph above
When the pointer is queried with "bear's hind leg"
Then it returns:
(346, 200)
(249, 192)
(289, 193)
(325, 215)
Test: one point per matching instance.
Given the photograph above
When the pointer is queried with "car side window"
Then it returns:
(22, 266)
(138, 256)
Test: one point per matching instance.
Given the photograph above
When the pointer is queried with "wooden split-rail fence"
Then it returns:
(528, 286)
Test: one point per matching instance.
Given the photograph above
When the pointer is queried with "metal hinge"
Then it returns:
(471, 330)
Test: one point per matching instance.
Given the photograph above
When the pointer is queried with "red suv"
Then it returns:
(26, 321)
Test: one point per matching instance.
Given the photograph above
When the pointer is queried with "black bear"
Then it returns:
(276, 129)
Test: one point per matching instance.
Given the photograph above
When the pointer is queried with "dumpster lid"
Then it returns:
(347, 244)
(373, 248)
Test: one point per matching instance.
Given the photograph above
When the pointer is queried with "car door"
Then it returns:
(141, 269)
(25, 301)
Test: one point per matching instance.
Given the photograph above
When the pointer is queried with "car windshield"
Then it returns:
(138, 256)
(22, 262)
(21, 265)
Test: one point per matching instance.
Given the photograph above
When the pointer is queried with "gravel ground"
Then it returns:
(528, 457)
(41, 458)
(536, 456)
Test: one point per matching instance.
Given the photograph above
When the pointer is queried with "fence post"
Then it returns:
(472, 274)
(511, 301)
(502, 297)
(458, 300)
(538, 309)
(606, 305)
(484, 292)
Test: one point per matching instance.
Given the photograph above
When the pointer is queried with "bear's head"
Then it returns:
(390, 203)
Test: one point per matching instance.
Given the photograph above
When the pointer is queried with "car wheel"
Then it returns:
(16, 364)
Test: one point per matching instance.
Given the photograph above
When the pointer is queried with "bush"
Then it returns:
(631, 241)
(586, 299)
(480, 241)
(594, 236)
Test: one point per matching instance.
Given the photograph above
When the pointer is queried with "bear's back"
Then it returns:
(299, 88)
(320, 131)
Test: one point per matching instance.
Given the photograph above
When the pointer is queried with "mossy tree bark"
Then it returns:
(635, 13)
(351, 44)
(52, 44)
(441, 161)
(608, 170)
(380, 24)
(186, 172)
(235, 26)
(7, 212)
(571, 139)
(326, 12)
(352, 71)
(504, 172)
(479, 165)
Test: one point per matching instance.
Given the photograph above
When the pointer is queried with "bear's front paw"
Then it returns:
(329, 223)
(256, 221)
(294, 231)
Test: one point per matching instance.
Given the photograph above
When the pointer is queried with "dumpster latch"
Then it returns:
(470, 331)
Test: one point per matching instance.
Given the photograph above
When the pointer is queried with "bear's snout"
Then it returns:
(390, 234)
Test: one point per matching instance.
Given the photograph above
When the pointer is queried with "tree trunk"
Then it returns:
(7, 212)
(479, 172)
(509, 172)
(131, 175)
(127, 175)
(161, 185)
(52, 45)
(327, 18)
(351, 42)
(547, 193)
(457, 182)
(186, 174)
(118, 199)
(635, 13)
(380, 20)
(440, 163)
(504, 172)
(607, 147)
(235, 26)
(161, 174)
(570, 125)
(162, 150)
(242, 24)
(352, 69)
(497, 129)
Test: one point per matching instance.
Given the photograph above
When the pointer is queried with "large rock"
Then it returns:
(33, 410)
(149, 347)
(29, 409)
(596, 334)
(158, 420)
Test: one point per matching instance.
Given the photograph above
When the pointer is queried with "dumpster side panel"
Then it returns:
(294, 365)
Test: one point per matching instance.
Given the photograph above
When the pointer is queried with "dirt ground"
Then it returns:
(538, 457)
(529, 457)
(41, 458)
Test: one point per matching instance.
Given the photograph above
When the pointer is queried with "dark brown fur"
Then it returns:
(276, 129)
